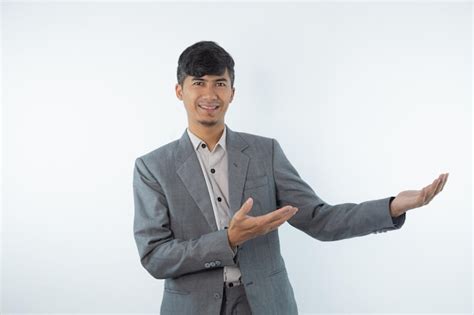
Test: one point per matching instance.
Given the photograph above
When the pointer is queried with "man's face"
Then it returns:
(206, 98)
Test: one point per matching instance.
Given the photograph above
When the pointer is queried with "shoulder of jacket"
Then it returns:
(162, 153)
(255, 139)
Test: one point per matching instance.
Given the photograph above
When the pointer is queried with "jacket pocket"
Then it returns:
(173, 291)
(276, 272)
(254, 182)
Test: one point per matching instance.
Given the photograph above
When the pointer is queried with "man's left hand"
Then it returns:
(410, 199)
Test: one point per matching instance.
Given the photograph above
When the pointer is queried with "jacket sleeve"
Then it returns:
(323, 221)
(161, 254)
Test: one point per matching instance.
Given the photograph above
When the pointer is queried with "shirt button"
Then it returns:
(213, 170)
(219, 199)
(203, 145)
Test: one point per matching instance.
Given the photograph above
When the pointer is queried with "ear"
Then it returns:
(232, 96)
(179, 91)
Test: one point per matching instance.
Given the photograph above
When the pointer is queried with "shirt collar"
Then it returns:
(196, 141)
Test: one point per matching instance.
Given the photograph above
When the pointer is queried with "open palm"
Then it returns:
(410, 199)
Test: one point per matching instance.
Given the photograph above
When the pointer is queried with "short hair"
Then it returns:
(204, 58)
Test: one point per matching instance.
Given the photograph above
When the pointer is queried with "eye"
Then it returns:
(198, 83)
(221, 84)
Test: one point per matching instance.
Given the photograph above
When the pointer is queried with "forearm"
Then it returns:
(162, 252)
(321, 220)
(336, 222)
(173, 258)
(395, 212)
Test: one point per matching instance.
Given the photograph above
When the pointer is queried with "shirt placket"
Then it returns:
(223, 218)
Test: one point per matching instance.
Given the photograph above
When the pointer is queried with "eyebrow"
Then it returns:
(216, 80)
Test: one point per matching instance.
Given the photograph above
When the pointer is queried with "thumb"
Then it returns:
(246, 207)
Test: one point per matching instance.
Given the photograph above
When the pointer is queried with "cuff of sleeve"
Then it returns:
(390, 222)
(382, 216)
(398, 221)
(229, 256)
(232, 249)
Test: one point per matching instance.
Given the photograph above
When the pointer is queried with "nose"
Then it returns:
(210, 93)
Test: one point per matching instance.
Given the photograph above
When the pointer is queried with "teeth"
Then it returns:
(208, 107)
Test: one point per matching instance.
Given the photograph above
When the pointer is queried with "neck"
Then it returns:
(210, 135)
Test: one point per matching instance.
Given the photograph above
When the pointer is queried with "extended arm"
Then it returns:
(321, 220)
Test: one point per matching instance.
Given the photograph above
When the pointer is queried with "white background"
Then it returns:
(366, 99)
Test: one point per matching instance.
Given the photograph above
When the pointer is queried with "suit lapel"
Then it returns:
(190, 172)
(238, 163)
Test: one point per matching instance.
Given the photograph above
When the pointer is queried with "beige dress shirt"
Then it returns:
(214, 168)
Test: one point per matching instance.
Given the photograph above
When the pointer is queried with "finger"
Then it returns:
(276, 220)
(441, 180)
(275, 224)
(276, 215)
(431, 191)
(245, 209)
(441, 184)
(427, 192)
(264, 224)
(283, 219)
(445, 180)
(435, 185)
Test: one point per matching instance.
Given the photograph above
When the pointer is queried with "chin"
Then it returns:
(208, 123)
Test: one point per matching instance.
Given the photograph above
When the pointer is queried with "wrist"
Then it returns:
(394, 211)
(231, 243)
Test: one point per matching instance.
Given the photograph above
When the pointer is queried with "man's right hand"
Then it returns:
(243, 227)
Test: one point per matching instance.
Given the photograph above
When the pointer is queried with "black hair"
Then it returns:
(204, 58)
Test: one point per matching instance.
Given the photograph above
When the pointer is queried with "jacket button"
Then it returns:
(218, 262)
(217, 296)
(212, 264)
(206, 265)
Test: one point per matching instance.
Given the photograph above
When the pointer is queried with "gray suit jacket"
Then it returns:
(177, 236)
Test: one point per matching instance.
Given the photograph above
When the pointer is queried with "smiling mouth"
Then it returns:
(209, 108)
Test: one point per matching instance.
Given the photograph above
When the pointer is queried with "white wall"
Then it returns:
(366, 99)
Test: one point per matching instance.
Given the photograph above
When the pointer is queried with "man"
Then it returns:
(207, 206)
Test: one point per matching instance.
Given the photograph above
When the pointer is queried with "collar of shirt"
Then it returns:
(197, 141)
